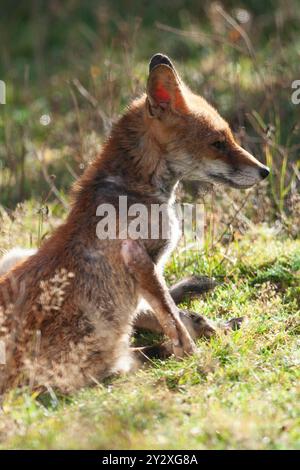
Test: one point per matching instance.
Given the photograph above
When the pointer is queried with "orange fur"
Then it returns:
(155, 144)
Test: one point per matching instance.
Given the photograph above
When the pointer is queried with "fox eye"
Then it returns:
(219, 144)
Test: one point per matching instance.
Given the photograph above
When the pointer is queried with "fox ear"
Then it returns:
(164, 88)
(159, 59)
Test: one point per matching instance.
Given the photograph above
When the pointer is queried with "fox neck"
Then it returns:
(134, 154)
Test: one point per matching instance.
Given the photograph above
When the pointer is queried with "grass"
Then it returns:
(241, 391)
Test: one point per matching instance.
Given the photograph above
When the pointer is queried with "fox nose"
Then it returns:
(264, 172)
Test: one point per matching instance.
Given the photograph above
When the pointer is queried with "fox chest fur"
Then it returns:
(151, 219)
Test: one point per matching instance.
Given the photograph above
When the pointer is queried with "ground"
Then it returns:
(240, 391)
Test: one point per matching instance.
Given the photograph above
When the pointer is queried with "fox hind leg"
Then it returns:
(197, 325)
(191, 287)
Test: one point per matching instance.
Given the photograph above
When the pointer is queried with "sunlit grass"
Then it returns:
(240, 391)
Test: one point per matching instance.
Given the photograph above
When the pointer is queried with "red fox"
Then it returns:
(69, 309)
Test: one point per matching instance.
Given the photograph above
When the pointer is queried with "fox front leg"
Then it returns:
(152, 287)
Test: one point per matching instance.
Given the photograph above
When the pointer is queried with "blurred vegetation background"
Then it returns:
(71, 67)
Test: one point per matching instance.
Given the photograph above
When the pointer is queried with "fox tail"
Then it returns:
(14, 256)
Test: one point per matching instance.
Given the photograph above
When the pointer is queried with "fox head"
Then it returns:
(198, 141)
